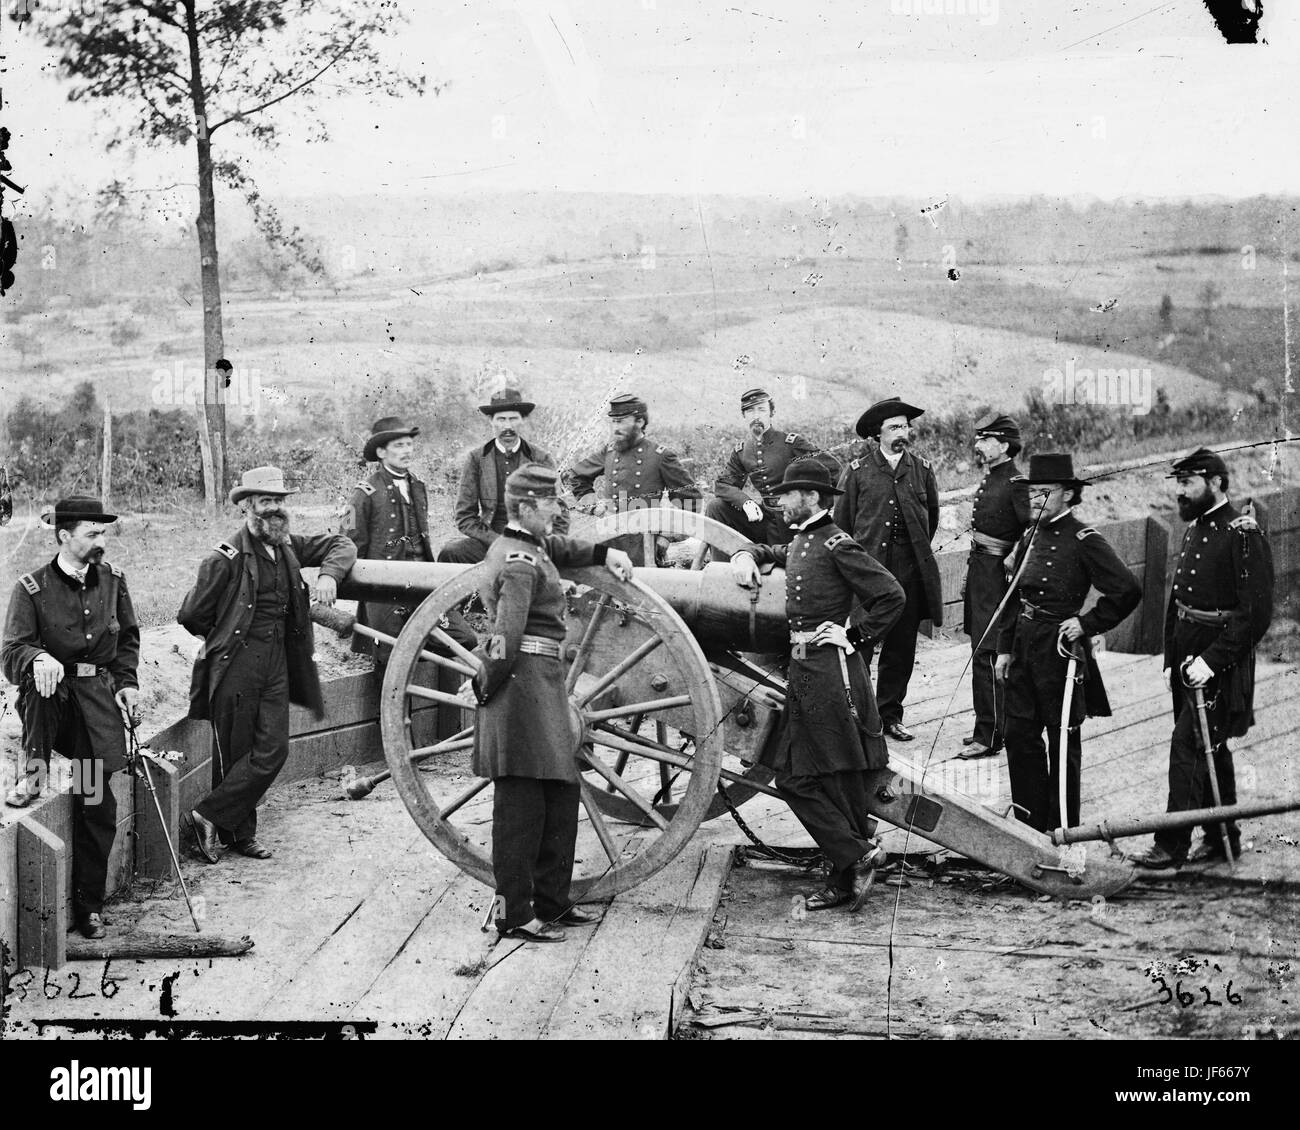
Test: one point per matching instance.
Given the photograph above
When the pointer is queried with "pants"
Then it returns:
(534, 829)
(250, 735)
(832, 807)
(898, 648)
(768, 530)
(1189, 777)
(83, 723)
(985, 586)
(463, 551)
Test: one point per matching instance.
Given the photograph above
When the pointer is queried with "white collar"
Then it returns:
(1061, 515)
(892, 460)
(399, 475)
(1215, 507)
(65, 563)
(804, 525)
(509, 450)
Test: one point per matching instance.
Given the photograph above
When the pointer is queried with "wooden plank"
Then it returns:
(152, 860)
(43, 862)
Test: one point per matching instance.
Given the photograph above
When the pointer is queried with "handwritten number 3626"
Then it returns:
(1186, 999)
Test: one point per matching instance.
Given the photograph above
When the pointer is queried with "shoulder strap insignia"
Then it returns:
(832, 542)
(855, 464)
(365, 488)
(115, 570)
(520, 555)
(1243, 522)
(791, 437)
(30, 583)
(660, 449)
(1017, 479)
(227, 550)
(739, 447)
(1083, 533)
(923, 461)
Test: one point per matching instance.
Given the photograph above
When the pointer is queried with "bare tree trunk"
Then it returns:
(106, 466)
(212, 432)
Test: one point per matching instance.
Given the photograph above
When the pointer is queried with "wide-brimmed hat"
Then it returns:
(383, 432)
(507, 400)
(77, 508)
(998, 426)
(806, 474)
(533, 481)
(261, 480)
(627, 405)
(869, 422)
(1053, 467)
(1202, 461)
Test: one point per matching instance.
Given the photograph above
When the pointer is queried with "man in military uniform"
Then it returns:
(480, 502)
(71, 646)
(890, 504)
(1042, 618)
(998, 518)
(250, 606)
(760, 460)
(523, 740)
(1220, 606)
(839, 601)
(388, 520)
(636, 472)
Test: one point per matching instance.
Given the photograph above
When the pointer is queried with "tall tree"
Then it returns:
(188, 70)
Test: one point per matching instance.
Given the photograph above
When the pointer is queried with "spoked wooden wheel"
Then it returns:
(740, 779)
(630, 655)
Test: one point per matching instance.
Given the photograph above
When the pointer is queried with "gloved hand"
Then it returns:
(1198, 673)
(744, 571)
(752, 510)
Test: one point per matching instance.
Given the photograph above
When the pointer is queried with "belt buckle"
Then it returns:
(86, 670)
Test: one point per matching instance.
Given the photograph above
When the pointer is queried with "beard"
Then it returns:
(94, 556)
(625, 441)
(1191, 509)
(271, 527)
(758, 427)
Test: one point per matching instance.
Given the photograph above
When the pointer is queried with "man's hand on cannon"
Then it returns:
(466, 696)
(752, 510)
(326, 591)
(127, 699)
(619, 563)
(769, 697)
(1071, 630)
(744, 571)
(1002, 666)
(48, 674)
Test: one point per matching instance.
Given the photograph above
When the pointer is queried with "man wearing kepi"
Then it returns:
(1042, 619)
(636, 472)
(890, 504)
(760, 460)
(71, 646)
(523, 740)
(1220, 606)
(839, 601)
(250, 605)
(481, 502)
(998, 518)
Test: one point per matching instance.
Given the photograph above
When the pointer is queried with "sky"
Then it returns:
(784, 98)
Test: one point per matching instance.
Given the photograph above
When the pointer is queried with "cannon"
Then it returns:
(668, 728)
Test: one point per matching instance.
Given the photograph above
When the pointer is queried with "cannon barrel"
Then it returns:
(720, 614)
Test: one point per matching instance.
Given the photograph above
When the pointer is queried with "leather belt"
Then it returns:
(986, 543)
(1033, 612)
(809, 638)
(1213, 616)
(540, 645)
(82, 670)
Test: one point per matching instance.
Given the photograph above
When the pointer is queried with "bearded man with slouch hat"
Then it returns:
(890, 504)
(1062, 559)
(999, 516)
(523, 740)
(250, 606)
(1220, 606)
(71, 645)
(840, 601)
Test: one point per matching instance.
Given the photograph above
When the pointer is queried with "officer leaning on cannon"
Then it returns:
(71, 646)
(481, 501)
(1041, 620)
(250, 606)
(890, 504)
(1220, 606)
(839, 600)
(998, 518)
(760, 460)
(635, 471)
(523, 740)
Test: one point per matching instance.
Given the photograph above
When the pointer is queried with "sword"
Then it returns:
(1202, 717)
(1071, 862)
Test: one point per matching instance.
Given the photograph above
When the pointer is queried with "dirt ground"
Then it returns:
(973, 956)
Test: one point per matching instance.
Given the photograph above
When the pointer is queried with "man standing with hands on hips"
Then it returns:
(71, 646)
(523, 740)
